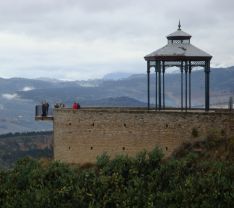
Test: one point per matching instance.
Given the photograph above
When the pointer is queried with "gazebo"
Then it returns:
(181, 53)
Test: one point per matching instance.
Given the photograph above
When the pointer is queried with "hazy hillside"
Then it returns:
(221, 87)
(19, 96)
(17, 146)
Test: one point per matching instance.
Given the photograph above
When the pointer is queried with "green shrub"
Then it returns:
(231, 144)
(103, 160)
(195, 132)
(213, 138)
(143, 181)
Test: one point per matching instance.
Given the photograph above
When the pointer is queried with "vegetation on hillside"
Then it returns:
(15, 146)
(188, 179)
(122, 182)
(217, 146)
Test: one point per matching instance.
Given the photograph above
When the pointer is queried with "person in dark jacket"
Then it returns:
(43, 109)
(47, 108)
(78, 105)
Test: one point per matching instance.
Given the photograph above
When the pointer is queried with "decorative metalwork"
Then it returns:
(176, 41)
(198, 63)
(172, 63)
(187, 41)
(179, 26)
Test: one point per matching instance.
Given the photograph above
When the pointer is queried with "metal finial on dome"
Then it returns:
(179, 26)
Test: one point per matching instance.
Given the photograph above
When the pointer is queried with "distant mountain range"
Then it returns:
(19, 96)
(116, 76)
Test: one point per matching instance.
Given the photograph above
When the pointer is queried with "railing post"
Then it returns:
(36, 111)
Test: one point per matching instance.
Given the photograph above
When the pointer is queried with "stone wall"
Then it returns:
(81, 135)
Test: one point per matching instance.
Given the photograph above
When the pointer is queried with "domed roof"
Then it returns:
(178, 48)
(179, 34)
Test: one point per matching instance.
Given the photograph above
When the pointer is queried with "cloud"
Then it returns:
(10, 96)
(81, 39)
(27, 88)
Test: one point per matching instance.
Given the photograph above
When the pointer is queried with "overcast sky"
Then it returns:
(86, 39)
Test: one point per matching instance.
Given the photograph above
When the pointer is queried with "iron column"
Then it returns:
(156, 87)
(190, 69)
(181, 79)
(163, 84)
(186, 84)
(207, 85)
(148, 83)
(159, 84)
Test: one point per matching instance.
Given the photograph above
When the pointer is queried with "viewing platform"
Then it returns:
(50, 115)
(39, 115)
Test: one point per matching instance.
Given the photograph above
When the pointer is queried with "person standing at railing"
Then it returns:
(56, 105)
(47, 108)
(43, 109)
(75, 106)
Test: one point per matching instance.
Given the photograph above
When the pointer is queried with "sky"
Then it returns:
(86, 39)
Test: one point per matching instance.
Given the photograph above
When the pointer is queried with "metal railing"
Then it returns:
(39, 113)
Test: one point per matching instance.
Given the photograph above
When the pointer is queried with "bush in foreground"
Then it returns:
(143, 181)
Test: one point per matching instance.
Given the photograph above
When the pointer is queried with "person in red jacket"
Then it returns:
(75, 106)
